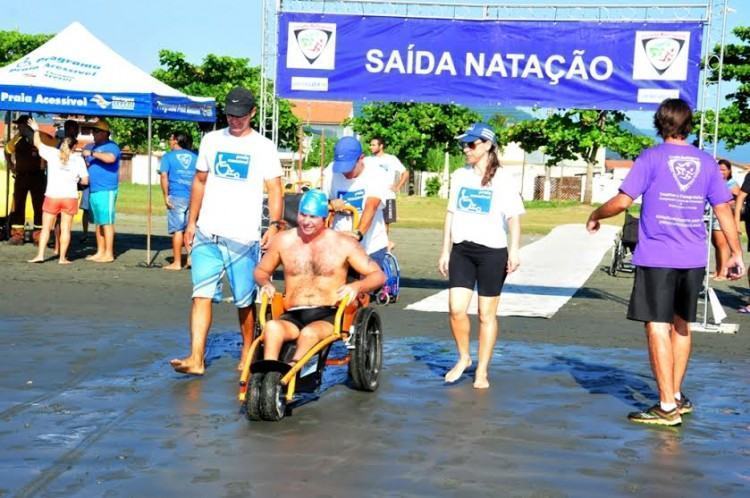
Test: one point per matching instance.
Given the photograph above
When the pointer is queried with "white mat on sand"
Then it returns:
(552, 270)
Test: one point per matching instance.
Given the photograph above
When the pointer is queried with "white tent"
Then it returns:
(76, 73)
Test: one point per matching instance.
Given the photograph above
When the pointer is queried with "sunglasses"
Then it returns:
(473, 145)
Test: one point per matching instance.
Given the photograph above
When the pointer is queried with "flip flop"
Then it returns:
(745, 310)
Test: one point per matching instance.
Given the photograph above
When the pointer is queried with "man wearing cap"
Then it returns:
(103, 160)
(223, 231)
(24, 162)
(316, 261)
(396, 176)
(348, 180)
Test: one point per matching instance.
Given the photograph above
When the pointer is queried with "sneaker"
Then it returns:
(656, 416)
(684, 405)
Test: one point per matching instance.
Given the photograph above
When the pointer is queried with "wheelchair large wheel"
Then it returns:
(252, 403)
(272, 400)
(367, 356)
(617, 255)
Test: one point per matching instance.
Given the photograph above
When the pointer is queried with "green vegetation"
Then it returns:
(410, 130)
(734, 119)
(133, 199)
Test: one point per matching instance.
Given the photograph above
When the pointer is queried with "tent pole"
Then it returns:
(148, 223)
(7, 172)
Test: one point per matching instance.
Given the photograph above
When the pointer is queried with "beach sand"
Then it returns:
(90, 406)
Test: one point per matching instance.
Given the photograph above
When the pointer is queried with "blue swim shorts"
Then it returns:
(177, 215)
(212, 257)
(102, 205)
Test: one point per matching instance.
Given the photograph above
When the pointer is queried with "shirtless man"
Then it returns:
(316, 260)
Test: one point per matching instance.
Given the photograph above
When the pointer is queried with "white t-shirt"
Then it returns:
(237, 170)
(480, 214)
(391, 167)
(62, 179)
(369, 183)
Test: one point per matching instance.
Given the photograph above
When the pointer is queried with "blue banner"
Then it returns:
(52, 100)
(601, 65)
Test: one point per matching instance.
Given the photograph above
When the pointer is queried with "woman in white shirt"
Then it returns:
(480, 246)
(64, 171)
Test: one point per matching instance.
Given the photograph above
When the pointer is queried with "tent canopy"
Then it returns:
(76, 73)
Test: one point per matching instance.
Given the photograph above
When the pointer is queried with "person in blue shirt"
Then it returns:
(177, 171)
(103, 160)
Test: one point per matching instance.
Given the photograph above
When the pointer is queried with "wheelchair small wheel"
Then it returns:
(252, 399)
(382, 297)
(616, 258)
(367, 356)
(272, 400)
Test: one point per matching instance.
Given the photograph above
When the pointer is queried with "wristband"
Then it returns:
(360, 235)
(277, 223)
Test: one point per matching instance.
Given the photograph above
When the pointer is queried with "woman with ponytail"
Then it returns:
(480, 246)
(64, 171)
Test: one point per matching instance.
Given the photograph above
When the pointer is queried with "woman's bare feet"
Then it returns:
(457, 371)
(187, 366)
(173, 266)
(38, 259)
(481, 381)
(64, 261)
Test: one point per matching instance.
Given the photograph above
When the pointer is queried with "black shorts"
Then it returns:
(305, 316)
(472, 263)
(661, 293)
(389, 211)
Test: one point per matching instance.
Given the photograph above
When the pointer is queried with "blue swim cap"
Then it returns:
(314, 202)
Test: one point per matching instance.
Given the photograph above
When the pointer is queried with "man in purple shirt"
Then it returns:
(675, 181)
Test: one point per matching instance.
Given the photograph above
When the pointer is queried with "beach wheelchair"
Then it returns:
(389, 292)
(625, 243)
(268, 389)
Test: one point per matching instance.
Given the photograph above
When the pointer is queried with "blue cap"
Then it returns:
(314, 202)
(478, 131)
(347, 152)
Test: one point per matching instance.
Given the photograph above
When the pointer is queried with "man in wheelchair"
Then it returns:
(316, 260)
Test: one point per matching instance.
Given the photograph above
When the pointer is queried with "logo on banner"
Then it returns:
(100, 101)
(661, 55)
(685, 170)
(311, 46)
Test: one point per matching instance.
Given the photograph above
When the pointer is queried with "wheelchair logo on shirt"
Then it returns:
(232, 166)
(474, 200)
(354, 197)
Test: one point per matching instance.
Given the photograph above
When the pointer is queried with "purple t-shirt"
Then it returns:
(675, 182)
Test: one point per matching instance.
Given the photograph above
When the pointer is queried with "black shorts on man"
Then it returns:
(474, 264)
(389, 211)
(661, 293)
(302, 317)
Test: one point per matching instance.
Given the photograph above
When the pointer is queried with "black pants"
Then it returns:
(28, 183)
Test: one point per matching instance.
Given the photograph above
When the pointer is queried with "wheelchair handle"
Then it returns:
(347, 208)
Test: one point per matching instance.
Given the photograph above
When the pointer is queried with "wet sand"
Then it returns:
(90, 406)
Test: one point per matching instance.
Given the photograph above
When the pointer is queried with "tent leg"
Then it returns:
(148, 223)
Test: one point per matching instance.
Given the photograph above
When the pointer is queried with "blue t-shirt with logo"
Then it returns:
(103, 176)
(179, 165)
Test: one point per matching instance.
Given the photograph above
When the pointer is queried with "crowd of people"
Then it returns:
(215, 202)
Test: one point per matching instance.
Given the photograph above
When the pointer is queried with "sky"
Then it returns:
(138, 29)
